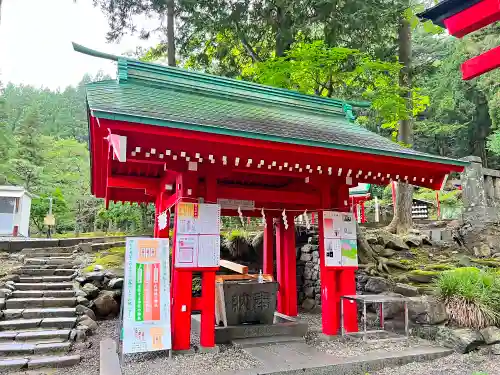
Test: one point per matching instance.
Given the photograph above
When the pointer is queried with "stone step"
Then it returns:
(34, 362)
(46, 323)
(262, 341)
(43, 261)
(41, 254)
(22, 303)
(49, 312)
(45, 279)
(43, 293)
(48, 335)
(47, 266)
(25, 348)
(43, 285)
(46, 272)
(49, 250)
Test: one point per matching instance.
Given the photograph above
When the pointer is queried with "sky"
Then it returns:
(36, 36)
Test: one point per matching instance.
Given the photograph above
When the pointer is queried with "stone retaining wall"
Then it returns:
(13, 246)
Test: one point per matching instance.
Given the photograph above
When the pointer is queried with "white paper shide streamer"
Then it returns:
(285, 221)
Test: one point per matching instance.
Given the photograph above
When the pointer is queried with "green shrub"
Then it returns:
(238, 244)
(472, 296)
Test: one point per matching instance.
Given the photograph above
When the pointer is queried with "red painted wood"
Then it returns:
(181, 309)
(207, 334)
(132, 182)
(363, 214)
(267, 195)
(473, 18)
(268, 247)
(347, 286)
(290, 268)
(280, 266)
(156, 230)
(481, 64)
(197, 303)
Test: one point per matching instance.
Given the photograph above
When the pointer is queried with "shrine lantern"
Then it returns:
(462, 17)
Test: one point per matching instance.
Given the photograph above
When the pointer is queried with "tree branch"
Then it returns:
(255, 57)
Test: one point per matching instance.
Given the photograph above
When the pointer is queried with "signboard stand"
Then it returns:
(145, 310)
(196, 248)
(339, 261)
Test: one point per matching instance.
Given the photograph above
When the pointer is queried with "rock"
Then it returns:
(10, 286)
(92, 326)
(11, 283)
(85, 247)
(308, 273)
(80, 293)
(315, 276)
(406, 290)
(483, 251)
(117, 294)
(391, 241)
(98, 267)
(116, 283)
(305, 257)
(426, 310)
(81, 280)
(105, 305)
(378, 248)
(377, 285)
(422, 276)
(371, 239)
(77, 335)
(109, 275)
(309, 292)
(95, 276)
(82, 301)
(413, 241)
(462, 340)
(392, 309)
(387, 253)
(317, 299)
(83, 310)
(495, 349)
(315, 256)
(491, 335)
(5, 292)
(14, 277)
(2, 304)
(91, 290)
(307, 248)
(308, 304)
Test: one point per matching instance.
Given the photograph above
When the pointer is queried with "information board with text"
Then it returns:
(146, 310)
(341, 249)
(198, 236)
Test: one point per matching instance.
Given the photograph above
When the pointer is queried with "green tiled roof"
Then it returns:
(172, 97)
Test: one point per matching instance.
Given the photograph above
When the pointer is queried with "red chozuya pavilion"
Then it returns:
(164, 135)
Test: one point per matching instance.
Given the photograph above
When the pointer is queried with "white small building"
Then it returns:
(15, 207)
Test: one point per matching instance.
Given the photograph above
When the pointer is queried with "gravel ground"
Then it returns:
(455, 364)
(228, 359)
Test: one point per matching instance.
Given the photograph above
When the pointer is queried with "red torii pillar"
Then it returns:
(268, 247)
(335, 281)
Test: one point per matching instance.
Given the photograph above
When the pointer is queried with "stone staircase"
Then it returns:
(38, 312)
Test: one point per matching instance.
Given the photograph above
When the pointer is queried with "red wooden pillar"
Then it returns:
(157, 212)
(181, 279)
(290, 267)
(207, 329)
(363, 213)
(280, 265)
(267, 251)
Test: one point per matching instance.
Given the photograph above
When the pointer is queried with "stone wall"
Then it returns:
(308, 278)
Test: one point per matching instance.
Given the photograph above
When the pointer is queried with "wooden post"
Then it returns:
(290, 267)
(267, 251)
(280, 265)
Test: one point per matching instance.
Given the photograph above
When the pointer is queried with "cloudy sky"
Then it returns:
(36, 36)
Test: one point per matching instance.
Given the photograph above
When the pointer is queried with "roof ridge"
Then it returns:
(128, 68)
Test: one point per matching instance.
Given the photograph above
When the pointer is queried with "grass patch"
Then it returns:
(439, 267)
(109, 259)
(472, 296)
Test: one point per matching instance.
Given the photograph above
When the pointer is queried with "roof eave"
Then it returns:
(445, 9)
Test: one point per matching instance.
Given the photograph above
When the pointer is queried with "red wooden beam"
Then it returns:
(481, 64)
(473, 18)
(132, 182)
(267, 195)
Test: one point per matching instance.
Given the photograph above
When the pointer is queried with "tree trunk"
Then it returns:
(402, 220)
(171, 32)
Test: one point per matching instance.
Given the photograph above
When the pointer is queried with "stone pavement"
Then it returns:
(300, 358)
(37, 311)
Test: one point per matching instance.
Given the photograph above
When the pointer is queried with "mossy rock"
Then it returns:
(490, 262)
(422, 276)
(439, 267)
